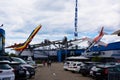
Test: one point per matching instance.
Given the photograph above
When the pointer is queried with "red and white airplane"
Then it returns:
(96, 40)
(20, 47)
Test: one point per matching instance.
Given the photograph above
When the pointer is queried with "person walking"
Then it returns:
(49, 63)
(43, 63)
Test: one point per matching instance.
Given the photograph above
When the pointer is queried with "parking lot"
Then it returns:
(56, 72)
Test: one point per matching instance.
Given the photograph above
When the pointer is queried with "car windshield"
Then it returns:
(19, 60)
(15, 66)
(5, 66)
(117, 68)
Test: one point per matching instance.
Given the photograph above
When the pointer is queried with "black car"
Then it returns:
(114, 72)
(29, 68)
(100, 72)
(20, 72)
(85, 69)
(5, 58)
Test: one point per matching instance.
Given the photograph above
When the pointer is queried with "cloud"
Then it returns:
(95, 14)
(111, 38)
(57, 18)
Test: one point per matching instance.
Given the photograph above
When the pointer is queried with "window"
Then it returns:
(1, 45)
(4, 66)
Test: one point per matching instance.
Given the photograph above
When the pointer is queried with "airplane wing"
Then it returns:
(76, 42)
(91, 43)
(15, 45)
(90, 40)
(102, 43)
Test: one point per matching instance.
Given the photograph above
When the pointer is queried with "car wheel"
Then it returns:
(83, 74)
(65, 69)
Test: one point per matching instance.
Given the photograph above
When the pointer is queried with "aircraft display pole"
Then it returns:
(76, 15)
(76, 21)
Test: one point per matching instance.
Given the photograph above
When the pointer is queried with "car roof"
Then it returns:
(13, 62)
(92, 62)
(105, 65)
(5, 58)
(4, 62)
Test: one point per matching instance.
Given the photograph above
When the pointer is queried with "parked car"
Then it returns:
(6, 71)
(21, 73)
(75, 66)
(5, 58)
(30, 68)
(100, 72)
(77, 60)
(66, 65)
(86, 67)
(31, 62)
(113, 73)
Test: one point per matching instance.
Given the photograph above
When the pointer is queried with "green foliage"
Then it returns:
(96, 59)
(6, 54)
(38, 61)
(10, 54)
(13, 55)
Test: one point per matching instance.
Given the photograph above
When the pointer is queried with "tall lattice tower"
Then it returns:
(76, 16)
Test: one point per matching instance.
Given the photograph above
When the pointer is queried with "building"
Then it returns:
(112, 50)
(2, 41)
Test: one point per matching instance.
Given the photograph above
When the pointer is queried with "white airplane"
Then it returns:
(96, 40)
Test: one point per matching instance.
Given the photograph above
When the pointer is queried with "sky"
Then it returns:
(20, 17)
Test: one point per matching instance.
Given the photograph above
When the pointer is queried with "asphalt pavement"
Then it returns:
(56, 72)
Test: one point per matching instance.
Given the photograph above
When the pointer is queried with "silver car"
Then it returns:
(6, 71)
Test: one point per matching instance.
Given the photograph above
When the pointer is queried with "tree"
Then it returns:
(13, 55)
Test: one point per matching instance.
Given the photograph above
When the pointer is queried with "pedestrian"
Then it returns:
(49, 63)
(43, 63)
(29, 58)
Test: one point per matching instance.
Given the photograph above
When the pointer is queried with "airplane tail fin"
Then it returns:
(101, 32)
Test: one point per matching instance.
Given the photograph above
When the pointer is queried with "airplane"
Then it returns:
(58, 44)
(20, 47)
(1, 25)
(116, 33)
(96, 40)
